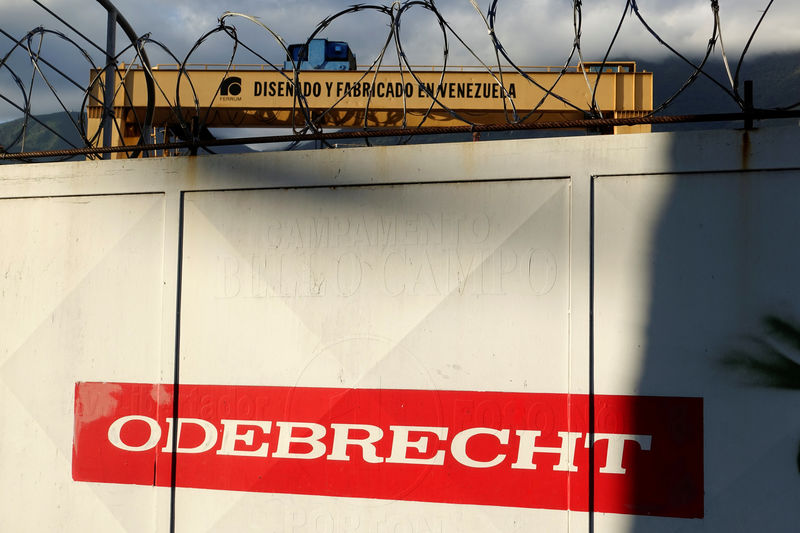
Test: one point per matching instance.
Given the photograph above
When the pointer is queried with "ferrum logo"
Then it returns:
(231, 86)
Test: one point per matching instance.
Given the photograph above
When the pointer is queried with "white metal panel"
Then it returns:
(80, 279)
(749, 437)
(458, 286)
(687, 267)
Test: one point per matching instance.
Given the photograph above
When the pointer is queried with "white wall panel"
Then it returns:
(460, 286)
(687, 269)
(81, 299)
(625, 267)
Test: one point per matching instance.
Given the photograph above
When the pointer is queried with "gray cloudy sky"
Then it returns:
(534, 32)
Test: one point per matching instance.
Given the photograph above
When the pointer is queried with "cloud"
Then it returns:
(531, 31)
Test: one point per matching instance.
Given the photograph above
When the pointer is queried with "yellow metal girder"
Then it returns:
(342, 99)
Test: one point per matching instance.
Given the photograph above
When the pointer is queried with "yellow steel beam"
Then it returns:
(341, 99)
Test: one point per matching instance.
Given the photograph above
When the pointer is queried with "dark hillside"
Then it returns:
(37, 135)
(776, 83)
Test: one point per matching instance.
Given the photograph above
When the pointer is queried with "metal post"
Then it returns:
(111, 72)
(748, 104)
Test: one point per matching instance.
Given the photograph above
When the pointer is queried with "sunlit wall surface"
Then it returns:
(577, 334)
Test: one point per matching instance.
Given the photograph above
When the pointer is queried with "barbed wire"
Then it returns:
(31, 77)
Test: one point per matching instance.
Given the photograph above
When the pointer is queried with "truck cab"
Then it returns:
(320, 54)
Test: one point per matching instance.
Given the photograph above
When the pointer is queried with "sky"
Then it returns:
(533, 32)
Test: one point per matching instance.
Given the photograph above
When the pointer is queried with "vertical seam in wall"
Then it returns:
(590, 432)
(176, 371)
(570, 330)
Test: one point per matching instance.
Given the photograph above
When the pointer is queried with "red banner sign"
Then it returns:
(643, 456)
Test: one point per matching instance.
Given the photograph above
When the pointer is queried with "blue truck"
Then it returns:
(320, 54)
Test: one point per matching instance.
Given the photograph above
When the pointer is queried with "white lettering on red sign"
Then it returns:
(524, 450)
(423, 440)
